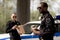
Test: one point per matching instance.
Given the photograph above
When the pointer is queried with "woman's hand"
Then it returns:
(14, 27)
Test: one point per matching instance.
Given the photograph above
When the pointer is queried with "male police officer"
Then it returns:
(47, 23)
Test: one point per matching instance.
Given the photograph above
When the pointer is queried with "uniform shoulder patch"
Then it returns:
(48, 20)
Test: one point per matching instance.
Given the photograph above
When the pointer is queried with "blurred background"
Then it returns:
(10, 6)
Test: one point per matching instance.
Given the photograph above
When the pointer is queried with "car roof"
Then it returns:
(34, 22)
(38, 22)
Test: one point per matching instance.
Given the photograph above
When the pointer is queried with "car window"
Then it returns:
(27, 28)
(57, 25)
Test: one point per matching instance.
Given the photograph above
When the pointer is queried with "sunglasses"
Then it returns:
(38, 7)
(14, 16)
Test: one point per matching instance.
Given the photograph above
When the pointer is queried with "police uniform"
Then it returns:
(13, 33)
(47, 26)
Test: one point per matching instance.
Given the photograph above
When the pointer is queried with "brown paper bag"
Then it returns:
(20, 29)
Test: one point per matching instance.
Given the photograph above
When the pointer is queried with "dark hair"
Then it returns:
(44, 4)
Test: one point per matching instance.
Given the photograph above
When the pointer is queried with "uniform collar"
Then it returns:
(44, 13)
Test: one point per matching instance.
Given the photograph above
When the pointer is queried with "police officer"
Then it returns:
(11, 27)
(47, 23)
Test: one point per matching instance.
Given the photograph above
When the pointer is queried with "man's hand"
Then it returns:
(33, 29)
(14, 27)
